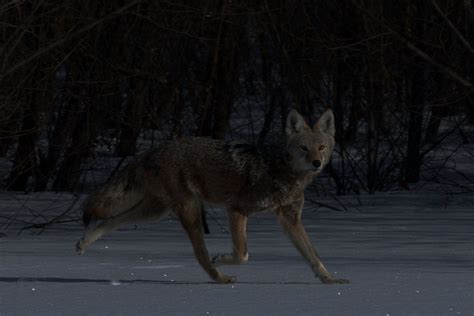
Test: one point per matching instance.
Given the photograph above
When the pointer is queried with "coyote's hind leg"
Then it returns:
(238, 230)
(148, 208)
(189, 214)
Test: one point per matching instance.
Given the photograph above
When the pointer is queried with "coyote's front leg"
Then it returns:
(290, 219)
(238, 231)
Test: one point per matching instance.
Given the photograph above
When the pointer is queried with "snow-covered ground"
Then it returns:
(405, 254)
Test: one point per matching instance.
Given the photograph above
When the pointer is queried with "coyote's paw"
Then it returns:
(216, 260)
(80, 246)
(331, 280)
(225, 279)
(222, 259)
(228, 259)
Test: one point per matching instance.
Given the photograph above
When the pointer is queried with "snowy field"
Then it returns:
(405, 254)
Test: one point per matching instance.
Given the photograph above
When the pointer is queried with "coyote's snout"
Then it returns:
(180, 175)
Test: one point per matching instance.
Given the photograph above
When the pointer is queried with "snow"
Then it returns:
(405, 254)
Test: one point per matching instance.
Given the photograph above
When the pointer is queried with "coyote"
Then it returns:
(180, 175)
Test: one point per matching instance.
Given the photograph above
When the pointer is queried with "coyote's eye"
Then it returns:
(322, 147)
(304, 148)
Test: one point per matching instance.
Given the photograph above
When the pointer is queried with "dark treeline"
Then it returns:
(78, 76)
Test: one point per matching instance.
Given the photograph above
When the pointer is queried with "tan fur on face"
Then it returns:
(300, 134)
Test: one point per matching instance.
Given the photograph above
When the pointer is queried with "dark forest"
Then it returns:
(86, 84)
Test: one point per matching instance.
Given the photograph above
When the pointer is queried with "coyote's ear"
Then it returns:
(326, 123)
(295, 123)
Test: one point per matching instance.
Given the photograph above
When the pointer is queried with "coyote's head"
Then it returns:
(309, 149)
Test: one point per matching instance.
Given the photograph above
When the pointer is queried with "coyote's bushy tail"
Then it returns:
(120, 193)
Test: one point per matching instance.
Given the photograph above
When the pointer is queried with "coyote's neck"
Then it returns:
(290, 179)
(270, 177)
(285, 183)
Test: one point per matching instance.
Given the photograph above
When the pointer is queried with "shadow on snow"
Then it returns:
(137, 281)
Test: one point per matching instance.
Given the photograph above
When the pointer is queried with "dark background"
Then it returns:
(86, 84)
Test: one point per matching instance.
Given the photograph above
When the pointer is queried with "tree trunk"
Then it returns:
(417, 101)
(25, 157)
(63, 128)
(132, 119)
(79, 149)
